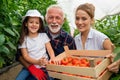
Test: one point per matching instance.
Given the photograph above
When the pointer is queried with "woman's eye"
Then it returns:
(77, 18)
(83, 18)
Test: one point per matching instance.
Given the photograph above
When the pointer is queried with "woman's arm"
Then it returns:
(108, 45)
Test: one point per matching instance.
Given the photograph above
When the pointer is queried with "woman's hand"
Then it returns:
(114, 67)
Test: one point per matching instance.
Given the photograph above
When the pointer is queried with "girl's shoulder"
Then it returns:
(42, 33)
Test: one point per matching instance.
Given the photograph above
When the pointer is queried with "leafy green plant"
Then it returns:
(111, 27)
(11, 12)
(8, 34)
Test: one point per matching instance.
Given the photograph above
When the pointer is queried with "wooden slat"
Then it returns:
(85, 71)
(101, 53)
(105, 76)
(102, 66)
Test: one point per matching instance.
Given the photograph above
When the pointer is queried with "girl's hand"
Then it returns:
(43, 61)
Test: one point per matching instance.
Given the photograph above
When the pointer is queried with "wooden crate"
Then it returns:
(57, 71)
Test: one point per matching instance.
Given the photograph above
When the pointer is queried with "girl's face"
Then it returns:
(33, 24)
(83, 21)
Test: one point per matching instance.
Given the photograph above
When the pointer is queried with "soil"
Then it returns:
(11, 73)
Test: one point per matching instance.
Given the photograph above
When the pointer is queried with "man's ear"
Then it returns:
(64, 20)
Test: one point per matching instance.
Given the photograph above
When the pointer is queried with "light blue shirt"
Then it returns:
(94, 40)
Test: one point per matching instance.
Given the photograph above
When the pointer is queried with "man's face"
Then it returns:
(55, 19)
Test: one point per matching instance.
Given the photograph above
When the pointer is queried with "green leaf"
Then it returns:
(117, 50)
(2, 39)
(117, 57)
(1, 25)
(115, 76)
(11, 45)
(18, 35)
(1, 62)
(4, 49)
(9, 31)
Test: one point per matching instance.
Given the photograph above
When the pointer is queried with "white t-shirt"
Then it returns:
(36, 46)
(94, 40)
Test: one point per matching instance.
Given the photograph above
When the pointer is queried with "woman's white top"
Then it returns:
(94, 40)
(36, 46)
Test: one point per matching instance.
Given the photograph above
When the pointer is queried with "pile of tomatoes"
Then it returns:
(72, 61)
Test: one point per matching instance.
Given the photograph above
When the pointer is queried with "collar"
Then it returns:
(90, 34)
(62, 33)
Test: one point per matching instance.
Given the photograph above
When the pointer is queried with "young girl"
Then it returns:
(33, 44)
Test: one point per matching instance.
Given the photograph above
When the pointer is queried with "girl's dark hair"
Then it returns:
(24, 30)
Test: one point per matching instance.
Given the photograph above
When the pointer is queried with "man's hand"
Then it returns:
(55, 61)
(38, 73)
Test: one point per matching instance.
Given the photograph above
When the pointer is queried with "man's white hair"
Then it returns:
(54, 6)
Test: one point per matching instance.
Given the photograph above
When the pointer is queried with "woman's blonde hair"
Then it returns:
(87, 7)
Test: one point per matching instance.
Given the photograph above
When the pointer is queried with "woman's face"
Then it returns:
(83, 21)
(33, 24)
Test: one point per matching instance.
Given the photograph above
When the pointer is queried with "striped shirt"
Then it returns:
(94, 40)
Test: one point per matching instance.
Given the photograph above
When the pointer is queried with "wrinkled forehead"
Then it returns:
(55, 11)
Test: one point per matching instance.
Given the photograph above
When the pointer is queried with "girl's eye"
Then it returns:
(37, 22)
(31, 22)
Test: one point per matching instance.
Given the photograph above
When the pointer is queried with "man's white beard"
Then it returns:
(54, 30)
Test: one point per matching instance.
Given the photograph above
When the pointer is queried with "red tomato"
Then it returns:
(64, 61)
(83, 60)
(75, 61)
(69, 64)
(69, 59)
